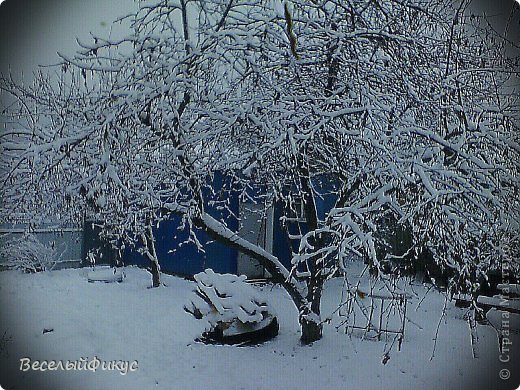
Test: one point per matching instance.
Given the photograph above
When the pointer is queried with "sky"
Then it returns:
(32, 31)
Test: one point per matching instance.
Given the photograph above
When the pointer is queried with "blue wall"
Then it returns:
(188, 260)
(185, 259)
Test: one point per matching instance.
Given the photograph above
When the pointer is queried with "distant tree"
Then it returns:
(403, 110)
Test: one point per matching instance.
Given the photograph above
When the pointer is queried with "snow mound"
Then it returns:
(229, 304)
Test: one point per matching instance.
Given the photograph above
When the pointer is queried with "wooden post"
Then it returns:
(380, 319)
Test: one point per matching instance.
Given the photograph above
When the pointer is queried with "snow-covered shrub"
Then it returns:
(28, 254)
(231, 307)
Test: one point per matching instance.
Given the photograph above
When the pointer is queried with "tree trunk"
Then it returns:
(155, 268)
(311, 328)
(310, 320)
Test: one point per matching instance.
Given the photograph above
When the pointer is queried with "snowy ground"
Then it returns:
(128, 321)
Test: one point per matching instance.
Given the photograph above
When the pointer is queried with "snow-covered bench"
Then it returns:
(511, 290)
(106, 274)
(501, 303)
(486, 303)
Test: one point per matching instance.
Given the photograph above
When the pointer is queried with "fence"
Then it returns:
(67, 241)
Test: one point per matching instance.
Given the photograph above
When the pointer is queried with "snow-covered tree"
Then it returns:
(402, 111)
(69, 150)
